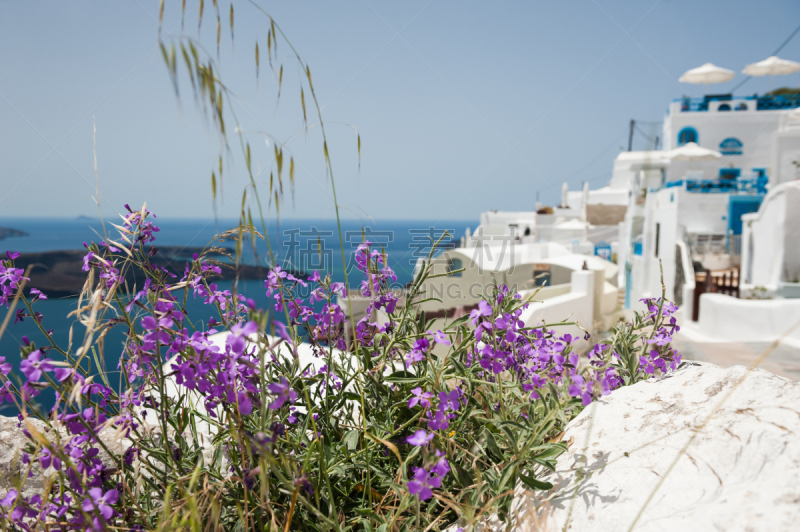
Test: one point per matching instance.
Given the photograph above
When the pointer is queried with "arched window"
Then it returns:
(741, 107)
(686, 135)
(724, 107)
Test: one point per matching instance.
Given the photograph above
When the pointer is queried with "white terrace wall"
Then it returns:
(728, 319)
(577, 306)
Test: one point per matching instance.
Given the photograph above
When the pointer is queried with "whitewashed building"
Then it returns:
(689, 216)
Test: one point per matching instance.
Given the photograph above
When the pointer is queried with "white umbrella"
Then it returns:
(692, 152)
(708, 73)
(772, 66)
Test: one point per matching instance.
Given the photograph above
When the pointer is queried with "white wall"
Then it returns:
(771, 240)
(728, 319)
(703, 213)
(786, 150)
(599, 196)
(662, 208)
(577, 306)
(754, 128)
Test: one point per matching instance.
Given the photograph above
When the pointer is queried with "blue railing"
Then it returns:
(757, 185)
(741, 103)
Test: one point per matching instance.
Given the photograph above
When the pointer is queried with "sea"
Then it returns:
(300, 245)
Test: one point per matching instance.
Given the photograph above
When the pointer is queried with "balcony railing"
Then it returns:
(756, 185)
(741, 103)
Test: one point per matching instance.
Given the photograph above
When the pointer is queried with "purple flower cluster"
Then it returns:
(661, 356)
(10, 277)
(375, 286)
(425, 480)
(245, 376)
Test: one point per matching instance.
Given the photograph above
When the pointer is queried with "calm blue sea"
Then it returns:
(302, 244)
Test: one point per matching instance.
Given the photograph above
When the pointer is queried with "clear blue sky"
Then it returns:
(462, 106)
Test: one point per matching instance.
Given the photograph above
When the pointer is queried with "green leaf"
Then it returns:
(509, 477)
(512, 438)
(458, 321)
(555, 450)
(403, 376)
(491, 444)
(350, 439)
(548, 464)
(535, 484)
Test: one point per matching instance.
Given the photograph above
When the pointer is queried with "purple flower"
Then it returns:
(34, 365)
(442, 466)
(484, 309)
(283, 392)
(5, 367)
(101, 501)
(245, 404)
(423, 484)
(10, 497)
(580, 388)
(36, 293)
(419, 438)
(11, 275)
(414, 356)
(450, 401)
(439, 337)
(239, 333)
(420, 397)
(46, 458)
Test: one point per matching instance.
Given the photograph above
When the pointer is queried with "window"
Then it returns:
(541, 278)
(729, 173)
(658, 236)
(686, 135)
(731, 146)
(724, 107)
(741, 107)
(455, 264)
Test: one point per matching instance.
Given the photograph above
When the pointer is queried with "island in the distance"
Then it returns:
(6, 232)
(60, 274)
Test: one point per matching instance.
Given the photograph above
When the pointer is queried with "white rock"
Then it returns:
(12, 440)
(740, 471)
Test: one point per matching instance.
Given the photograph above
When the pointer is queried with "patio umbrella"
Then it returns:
(692, 152)
(772, 66)
(708, 73)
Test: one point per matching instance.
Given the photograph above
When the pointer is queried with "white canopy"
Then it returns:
(772, 66)
(692, 152)
(708, 73)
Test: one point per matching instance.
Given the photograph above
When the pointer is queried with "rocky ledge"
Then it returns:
(706, 448)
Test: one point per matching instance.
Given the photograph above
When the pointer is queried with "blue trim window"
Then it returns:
(731, 146)
(724, 107)
(686, 135)
(729, 173)
(741, 107)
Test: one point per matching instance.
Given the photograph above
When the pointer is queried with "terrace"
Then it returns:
(754, 185)
(740, 103)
